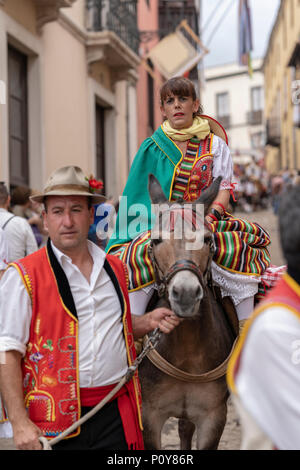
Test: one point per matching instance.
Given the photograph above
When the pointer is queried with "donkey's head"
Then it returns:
(182, 247)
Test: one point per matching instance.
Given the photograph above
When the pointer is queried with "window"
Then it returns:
(256, 114)
(18, 118)
(257, 140)
(223, 114)
(257, 98)
(100, 147)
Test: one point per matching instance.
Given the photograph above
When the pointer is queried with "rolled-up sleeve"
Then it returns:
(223, 164)
(15, 312)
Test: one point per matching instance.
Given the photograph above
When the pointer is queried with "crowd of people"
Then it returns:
(279, 183)
(257, 189)
(68, 330)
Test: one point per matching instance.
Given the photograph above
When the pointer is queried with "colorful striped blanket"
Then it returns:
(241, 247)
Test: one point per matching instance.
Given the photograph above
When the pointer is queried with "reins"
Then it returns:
(168, 368)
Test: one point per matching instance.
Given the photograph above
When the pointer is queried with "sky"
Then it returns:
(222, 41)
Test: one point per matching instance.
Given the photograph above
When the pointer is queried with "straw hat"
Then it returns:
(216, 128)
(68, 181)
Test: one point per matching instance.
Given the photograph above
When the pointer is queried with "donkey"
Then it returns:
(197, 350)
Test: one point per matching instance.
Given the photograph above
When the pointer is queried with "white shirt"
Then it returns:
(268, 378)
(20, 237)
(222, 162)
(102, 351)
(3, 250)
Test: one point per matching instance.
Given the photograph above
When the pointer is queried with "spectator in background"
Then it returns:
(99, 231)
(249, 191)
(296, 179)
(277, 185)
(23, 207)
(20, 237)
(20, 201)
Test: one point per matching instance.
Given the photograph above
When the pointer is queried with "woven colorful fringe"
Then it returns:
(241, 246)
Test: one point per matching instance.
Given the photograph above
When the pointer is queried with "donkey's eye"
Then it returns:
(156, 241)
(208, 240)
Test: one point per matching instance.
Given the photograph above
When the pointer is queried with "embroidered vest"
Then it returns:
(194, 174)
(50, 366)
(286, 293)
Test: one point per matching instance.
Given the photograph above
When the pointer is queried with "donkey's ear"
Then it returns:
(156, 193)
(209, 195)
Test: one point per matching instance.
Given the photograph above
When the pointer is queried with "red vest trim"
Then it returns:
(286, 293)
(50, 366)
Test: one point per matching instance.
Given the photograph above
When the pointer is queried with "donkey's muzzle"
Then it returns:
(185, 294)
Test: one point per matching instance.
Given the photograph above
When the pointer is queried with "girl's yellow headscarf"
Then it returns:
(200, 129)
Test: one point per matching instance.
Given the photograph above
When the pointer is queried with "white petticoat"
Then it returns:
(238, 286)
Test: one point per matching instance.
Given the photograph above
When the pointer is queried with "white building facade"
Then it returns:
(236, 100)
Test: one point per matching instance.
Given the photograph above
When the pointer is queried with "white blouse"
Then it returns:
(222, 163)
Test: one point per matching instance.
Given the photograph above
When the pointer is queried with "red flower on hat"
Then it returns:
(95, 184)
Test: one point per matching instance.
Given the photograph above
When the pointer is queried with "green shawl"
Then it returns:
(157, 155)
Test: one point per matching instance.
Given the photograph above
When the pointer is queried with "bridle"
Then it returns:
(163, 279)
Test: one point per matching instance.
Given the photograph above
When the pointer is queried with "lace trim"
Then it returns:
(238, 286)
(225, 184)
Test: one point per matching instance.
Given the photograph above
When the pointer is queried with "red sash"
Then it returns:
(127, 409)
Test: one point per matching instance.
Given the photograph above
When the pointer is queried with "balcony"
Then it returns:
(117, 16)
(113, 37)
(172, 12)
(255, 118)
(273, 132)
(48, 10)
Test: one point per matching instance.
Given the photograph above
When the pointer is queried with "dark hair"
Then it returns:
(289, 226)
(20, 195)
(178, 86)
(3, 193)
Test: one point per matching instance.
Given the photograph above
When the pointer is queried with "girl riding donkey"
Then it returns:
(186, 154)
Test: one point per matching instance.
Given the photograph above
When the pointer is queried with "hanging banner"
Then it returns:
(175, 55)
